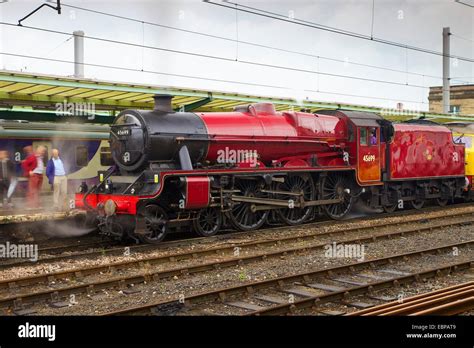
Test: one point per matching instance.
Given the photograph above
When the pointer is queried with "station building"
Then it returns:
(462, 99)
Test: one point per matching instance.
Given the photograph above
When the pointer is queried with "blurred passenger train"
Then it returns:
(84, 148)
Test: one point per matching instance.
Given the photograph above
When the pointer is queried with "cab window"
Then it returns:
(373, 140)
(363, 136)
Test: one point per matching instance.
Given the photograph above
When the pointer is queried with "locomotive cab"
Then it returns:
(367, 144)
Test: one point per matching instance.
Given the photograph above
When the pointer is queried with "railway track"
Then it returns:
(241, 296)
(55, 295)
(56, 250)
(59, 249)
(452, 300)
(223, 260)
(133, 249)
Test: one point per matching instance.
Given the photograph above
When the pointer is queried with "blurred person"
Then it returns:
(7, 179)
(28, 150)
(57, 178)
(13, 182)
(34, 166)
(29, 163)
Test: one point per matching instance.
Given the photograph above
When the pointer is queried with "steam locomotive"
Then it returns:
(255, 166)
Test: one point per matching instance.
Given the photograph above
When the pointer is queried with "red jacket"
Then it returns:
(29, 164)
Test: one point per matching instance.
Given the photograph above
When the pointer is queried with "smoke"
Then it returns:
(43, 230)
(360, 210)
(64, 229)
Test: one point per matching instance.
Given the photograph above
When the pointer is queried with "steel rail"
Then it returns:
(423, 303)
(314, 301)
(451, 308)
(146, 263)
(305, 277)
(119, 251)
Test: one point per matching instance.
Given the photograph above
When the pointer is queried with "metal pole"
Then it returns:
(78, 53)
(446, 53)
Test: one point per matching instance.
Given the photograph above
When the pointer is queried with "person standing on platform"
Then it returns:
(57, 177)
(28, 164)
(34, 166)
(7, 179)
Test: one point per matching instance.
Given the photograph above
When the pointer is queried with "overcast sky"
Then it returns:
(412, 22)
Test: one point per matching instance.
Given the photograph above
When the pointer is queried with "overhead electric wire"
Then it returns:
(208, 56)
(205, 78)
(332, 75)
(254, 44)
(140, 70)
(463, 3)
(464, 77)
(62, 43)
(249, 62)
(461, 37)
(280, 17)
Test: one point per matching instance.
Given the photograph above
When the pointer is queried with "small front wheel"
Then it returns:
(156, 224)
(208, 222)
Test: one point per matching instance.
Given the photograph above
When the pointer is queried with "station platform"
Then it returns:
(19, 213)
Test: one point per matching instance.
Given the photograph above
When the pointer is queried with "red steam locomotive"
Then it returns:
(255, 166)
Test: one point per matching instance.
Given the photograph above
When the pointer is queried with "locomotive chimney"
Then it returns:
(163, 102)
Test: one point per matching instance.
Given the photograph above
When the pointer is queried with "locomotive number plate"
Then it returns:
(124, 132)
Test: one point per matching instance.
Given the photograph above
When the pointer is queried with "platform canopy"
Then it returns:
(43, 92)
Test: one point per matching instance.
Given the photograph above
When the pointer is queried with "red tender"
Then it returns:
(424, 151)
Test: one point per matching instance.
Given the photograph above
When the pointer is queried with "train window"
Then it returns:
(467, 141)
(363, 136)
(82, 156)
(106, 157)
(373, 136)
(350, 130)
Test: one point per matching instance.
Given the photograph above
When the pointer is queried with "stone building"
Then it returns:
(462, 99)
